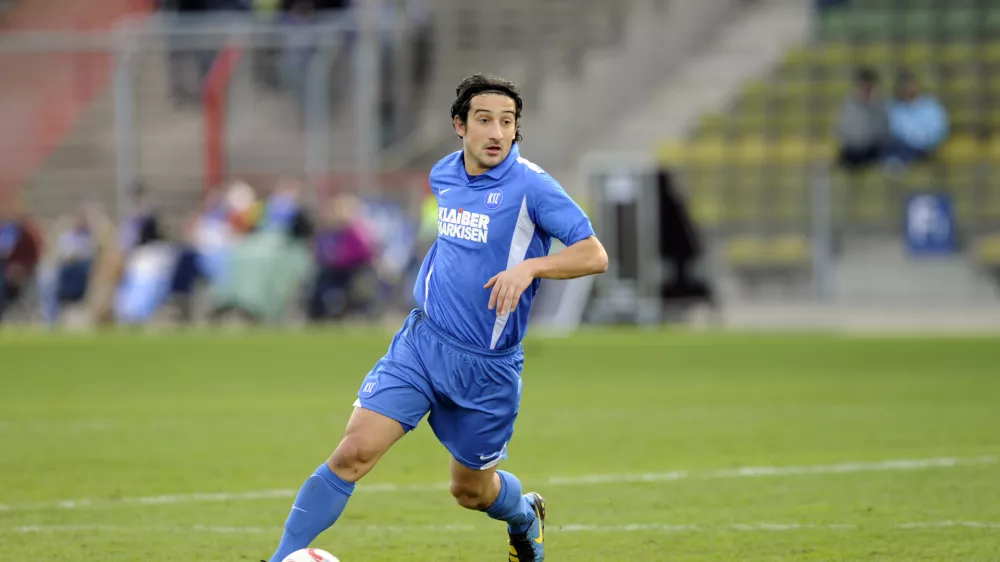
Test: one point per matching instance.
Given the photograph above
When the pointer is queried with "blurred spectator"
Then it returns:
(146, 276)
(283, 210)
(918, 121)
(79, 241)
(268, 267)
(242, 206)
(344, 249)
(139, 224)
(863, 128)
(20, 252)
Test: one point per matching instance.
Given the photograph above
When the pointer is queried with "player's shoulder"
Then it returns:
(447, 164)
(533, 176)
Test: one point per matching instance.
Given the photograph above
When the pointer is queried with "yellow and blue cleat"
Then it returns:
(530, 545)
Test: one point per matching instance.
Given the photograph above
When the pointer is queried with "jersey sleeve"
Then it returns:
(557, 214)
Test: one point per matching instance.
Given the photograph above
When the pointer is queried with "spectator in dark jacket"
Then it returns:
(863, 128)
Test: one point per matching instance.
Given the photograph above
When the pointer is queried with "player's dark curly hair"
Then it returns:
(483, 84)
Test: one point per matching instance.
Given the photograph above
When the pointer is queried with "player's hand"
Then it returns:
(508, 286)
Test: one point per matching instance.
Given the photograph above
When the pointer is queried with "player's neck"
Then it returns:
(472, 169)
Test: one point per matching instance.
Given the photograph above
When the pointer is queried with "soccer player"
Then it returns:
(458, 355)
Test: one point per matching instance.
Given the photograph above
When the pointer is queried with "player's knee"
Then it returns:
(352, 459)
(470, 495)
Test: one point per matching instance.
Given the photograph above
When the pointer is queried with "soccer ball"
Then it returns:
(311, 555)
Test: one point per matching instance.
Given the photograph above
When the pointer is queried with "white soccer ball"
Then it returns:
(311, 555)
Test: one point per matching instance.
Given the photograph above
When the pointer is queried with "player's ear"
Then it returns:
(459, 126)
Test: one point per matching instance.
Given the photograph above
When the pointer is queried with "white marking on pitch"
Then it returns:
(571, 528)
(585, 480)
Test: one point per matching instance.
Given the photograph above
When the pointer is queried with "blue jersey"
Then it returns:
(488, 224)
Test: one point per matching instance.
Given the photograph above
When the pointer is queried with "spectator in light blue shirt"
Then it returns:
(918, 123)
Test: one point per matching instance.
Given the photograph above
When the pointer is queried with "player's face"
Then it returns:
(488, 133)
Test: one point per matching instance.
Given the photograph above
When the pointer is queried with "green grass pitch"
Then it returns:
(647, 446)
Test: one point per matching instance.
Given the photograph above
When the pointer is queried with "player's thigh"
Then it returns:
(476, 421)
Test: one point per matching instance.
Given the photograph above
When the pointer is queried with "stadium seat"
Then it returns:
(672, 153)
(712, 124)
(790, 250)
(760, 254)
(962, 150)
(987, 252)
(751, 152)
(917, 53)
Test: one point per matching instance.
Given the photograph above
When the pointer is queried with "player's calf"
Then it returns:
(477, 496)
(354, 458)
(324, 495)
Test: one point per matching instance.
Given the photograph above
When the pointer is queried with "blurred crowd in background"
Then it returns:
(261, 256)
(896, 130)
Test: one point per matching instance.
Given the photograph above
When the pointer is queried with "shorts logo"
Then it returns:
(493, 199)
(368, 387)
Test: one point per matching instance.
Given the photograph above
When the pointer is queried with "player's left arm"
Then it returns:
(586, 257)
(558, 215)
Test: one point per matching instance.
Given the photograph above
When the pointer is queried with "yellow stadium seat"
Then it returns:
(754, 92)
(790, 196)
(876, 54)
(993, 119)
(706, 201)
(744, 251)
(822, 151)
(711, 124)
(958, 53)
(792, 123)
(992, 52)
(918, 53)
(833, 92)
(708, 152)
(918, 177)
(993, 150)
(789, 250)
(994, 86)
(751, 151)
(961, 150)
(835, 54)
(964, 119)
(672, 153)
(988, 251)
(797, 58)
(792, 150)
(750, 122)
(964, 85)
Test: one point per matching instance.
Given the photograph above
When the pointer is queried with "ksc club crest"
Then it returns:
(493, 199)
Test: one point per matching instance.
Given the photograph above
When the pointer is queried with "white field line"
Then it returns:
(585, 480)
(571, 528)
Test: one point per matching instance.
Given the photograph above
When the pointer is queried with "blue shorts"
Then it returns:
(472, 394)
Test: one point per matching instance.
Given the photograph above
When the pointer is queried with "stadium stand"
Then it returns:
(749, 167)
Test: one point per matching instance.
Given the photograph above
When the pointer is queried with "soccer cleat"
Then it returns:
(530, 546)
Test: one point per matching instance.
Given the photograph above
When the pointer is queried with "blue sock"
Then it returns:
(511, 506)
(317, 507)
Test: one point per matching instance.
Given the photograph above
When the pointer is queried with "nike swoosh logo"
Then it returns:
(300, 509)
(541, 528)
(486, 458)
(443, 191)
